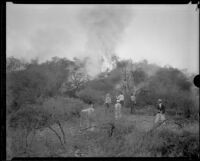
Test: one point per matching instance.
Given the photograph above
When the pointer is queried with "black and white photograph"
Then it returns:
(102, 80)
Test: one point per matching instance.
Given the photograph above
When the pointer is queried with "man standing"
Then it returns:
(121, 99)
(160, 116)
(133, 102)
(118, 110)
(89, 113)
(108, 102)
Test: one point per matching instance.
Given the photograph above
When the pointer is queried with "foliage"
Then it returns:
(50, 96)
(25, 87)
(89, 94)
(174, 145)
(173, 87)
(14, 64)
(139, 76)
(29, 118)
(162, 143)
(76, 79)
(63, 108)
(36, 81)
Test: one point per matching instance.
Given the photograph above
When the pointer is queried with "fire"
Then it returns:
(107, 63)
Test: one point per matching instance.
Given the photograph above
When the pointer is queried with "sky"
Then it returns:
(161, 34)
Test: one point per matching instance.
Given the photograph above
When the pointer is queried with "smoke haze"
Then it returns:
(98, 32)
(105, 26)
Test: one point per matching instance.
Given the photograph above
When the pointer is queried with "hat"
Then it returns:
(159, 100)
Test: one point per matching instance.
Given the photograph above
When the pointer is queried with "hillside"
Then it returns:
(44, 103)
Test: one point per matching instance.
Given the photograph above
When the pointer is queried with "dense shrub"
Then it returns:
(22, 124)
(35, 80)
(162, 143)
(93, 95)
(29, 117)
(173, 87)
(174, 145)
(24, 87)
(114, 76)
(146, 97)
(63, 107)
(101, 85)
(139, 76)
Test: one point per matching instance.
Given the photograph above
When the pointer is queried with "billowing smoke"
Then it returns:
(82, 31)
(104, 25)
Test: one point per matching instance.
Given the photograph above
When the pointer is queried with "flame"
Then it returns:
(107, 63)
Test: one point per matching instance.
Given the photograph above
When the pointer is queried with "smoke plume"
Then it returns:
(104, 25)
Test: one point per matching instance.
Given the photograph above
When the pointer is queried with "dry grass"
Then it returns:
(129, 138)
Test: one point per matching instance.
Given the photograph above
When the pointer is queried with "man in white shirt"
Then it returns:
(88, 114)
(121, 99)
(118, 110)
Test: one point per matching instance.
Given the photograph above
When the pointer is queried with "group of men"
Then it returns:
(119, 104)
(160, 116)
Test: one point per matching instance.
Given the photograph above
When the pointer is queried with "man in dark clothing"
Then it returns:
(108, 103)
(160, 116)
(133, 102)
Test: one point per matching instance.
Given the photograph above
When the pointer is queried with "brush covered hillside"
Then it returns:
(44, 103)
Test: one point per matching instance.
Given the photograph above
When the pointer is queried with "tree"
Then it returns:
(14, 64)
(127, 79)
(25, 87)
(62, 109)
(173, 87)
(76, 79)
(29, 119)
(139, 76)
